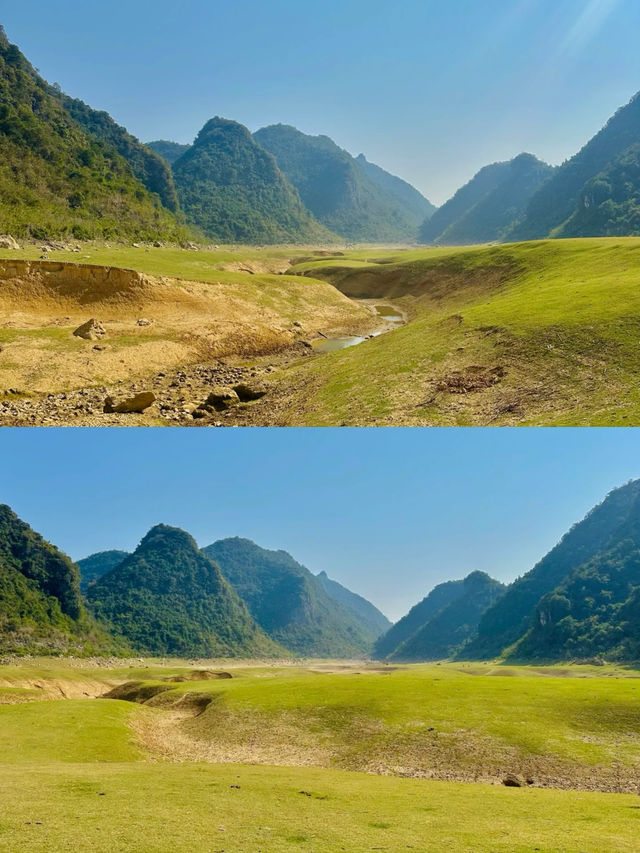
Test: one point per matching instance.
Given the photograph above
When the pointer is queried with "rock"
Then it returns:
(7, 242)
(144, 322)
(199, 413)
(247, 392)
(220, 398)
(92, 330)
(157, 244)
(137, 404)
(297, 324)
(512, 781)
(135, 245)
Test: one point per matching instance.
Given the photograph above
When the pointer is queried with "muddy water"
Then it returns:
(392, 316)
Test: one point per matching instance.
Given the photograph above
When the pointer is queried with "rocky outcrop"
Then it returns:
(135, 404)
(92, 330)
(8, 242)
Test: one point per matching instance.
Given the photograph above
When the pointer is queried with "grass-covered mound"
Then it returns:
(60, 177)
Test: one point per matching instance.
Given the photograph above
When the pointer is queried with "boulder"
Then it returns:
(220, 398)
(513, 781)
(7, 242)
(249, 391)
(92, 330)
(135, 404)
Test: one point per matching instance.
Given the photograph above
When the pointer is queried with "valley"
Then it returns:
(539, 333)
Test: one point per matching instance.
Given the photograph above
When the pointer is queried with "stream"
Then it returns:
(392, 316)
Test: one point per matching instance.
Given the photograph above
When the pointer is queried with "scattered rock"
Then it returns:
(8, 242)
(135, 404)
(92, 330)
(512, 781)
(247, 392)
(144, 322)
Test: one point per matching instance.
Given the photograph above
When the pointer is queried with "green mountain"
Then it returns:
(371, 620)
(486, 208)
(420, 614)
(454, 624)
(360, 202)
(169, 598)
(57, 179)
(232, 188)
(289, 602)
(41, 610)
(169, 151)
(595, 612)
(602, 529)
(96, 565)
(589, 195)
(148, 167)
(415, 206)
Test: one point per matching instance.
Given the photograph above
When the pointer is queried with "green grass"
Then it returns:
(73, 777)
(563, 318)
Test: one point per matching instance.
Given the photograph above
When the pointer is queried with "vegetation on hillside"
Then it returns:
(56, 180)
(339, 190)
(96, 565)
(170, 598)
(231, 188)
(370, 618)
(512, 616)
(420, 614)
(41, 609)
(576, 201)
(486, 208)
(454, 624)
(288, 602)
(148, 167)
(169, 151)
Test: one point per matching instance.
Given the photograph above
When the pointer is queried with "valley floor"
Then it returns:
(317, 755)
(541, 333)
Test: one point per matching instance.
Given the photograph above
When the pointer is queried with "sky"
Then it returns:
(388, 513)
(431, 90)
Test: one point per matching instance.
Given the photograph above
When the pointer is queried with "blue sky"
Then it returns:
(430, 89)
(388, 512)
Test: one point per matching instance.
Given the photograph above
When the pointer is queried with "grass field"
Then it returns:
(542, 333)
(79, 774)
(533, 333)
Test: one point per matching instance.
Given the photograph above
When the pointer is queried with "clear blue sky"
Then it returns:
(388, 512)
(430, 89)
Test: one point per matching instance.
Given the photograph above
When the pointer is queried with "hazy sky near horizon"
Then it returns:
(387, 512)
(431, 90)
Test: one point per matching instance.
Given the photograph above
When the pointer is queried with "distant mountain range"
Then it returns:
(234, 598)
(68, 170)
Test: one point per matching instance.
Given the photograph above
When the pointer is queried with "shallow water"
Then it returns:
(385, 312)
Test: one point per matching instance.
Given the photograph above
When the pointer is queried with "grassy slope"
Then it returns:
(562, 318)
(70, 778)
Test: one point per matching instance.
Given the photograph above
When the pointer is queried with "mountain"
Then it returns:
(169, 151)
(41, 610)
(148, 167)
(440, 597)
(357, 201)
(169, 598)
(588, 195)
(595, 612)
(232, 188)
(486, 208)
(289, 602)
(455, 623)
(96, 565)
(371, 620)
(507, 621)
(416, 207)
(57, 179)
